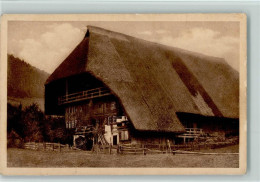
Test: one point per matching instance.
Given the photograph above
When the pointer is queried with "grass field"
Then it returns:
(30, 158)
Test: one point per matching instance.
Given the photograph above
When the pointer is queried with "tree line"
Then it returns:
(30, 124)
(29, 83)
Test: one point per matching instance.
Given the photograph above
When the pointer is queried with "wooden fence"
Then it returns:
(188, 148)
(47, 146)
(144, 149)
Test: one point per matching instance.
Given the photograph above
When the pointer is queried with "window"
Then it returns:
(124, 135)
(80, 108)
(113, 105)
(72, 124)
(99, 108)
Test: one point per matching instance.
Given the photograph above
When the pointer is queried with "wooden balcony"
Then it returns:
(83, 95)
(191, 133)
(194, 131)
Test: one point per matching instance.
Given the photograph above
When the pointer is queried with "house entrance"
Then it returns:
(115, 140)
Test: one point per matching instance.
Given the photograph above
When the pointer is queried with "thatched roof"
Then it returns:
(154, 81)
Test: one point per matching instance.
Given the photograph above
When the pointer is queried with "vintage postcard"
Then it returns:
(117, 94)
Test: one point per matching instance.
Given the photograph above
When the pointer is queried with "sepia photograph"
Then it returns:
(129, 92)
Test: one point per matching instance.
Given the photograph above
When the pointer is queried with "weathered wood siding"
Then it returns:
(210, 125)
(144, 137)
(95, 110)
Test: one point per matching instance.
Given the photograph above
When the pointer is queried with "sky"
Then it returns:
(46, 44)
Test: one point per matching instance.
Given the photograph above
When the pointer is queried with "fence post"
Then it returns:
(59, 147)
(173, 152)
(98, 148)
(144, 151)
(169, 146)
(93, 148)
(118, 149)
(110, 149)
(163, 148)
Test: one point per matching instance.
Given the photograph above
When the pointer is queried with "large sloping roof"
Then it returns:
(154, 81)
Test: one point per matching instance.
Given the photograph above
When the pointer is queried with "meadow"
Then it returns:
(30, 158)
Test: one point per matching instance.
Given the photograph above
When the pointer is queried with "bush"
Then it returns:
(31, 125)
(14, 140)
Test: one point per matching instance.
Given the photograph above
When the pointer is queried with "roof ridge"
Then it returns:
(111, 33)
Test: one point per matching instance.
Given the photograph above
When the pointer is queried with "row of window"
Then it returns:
(71, 124)
(97, 107)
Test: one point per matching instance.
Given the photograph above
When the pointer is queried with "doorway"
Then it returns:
(115, 140)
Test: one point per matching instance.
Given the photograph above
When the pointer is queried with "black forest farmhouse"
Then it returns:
(115, 88)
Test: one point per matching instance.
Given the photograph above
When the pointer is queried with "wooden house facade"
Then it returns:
(133, 90)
